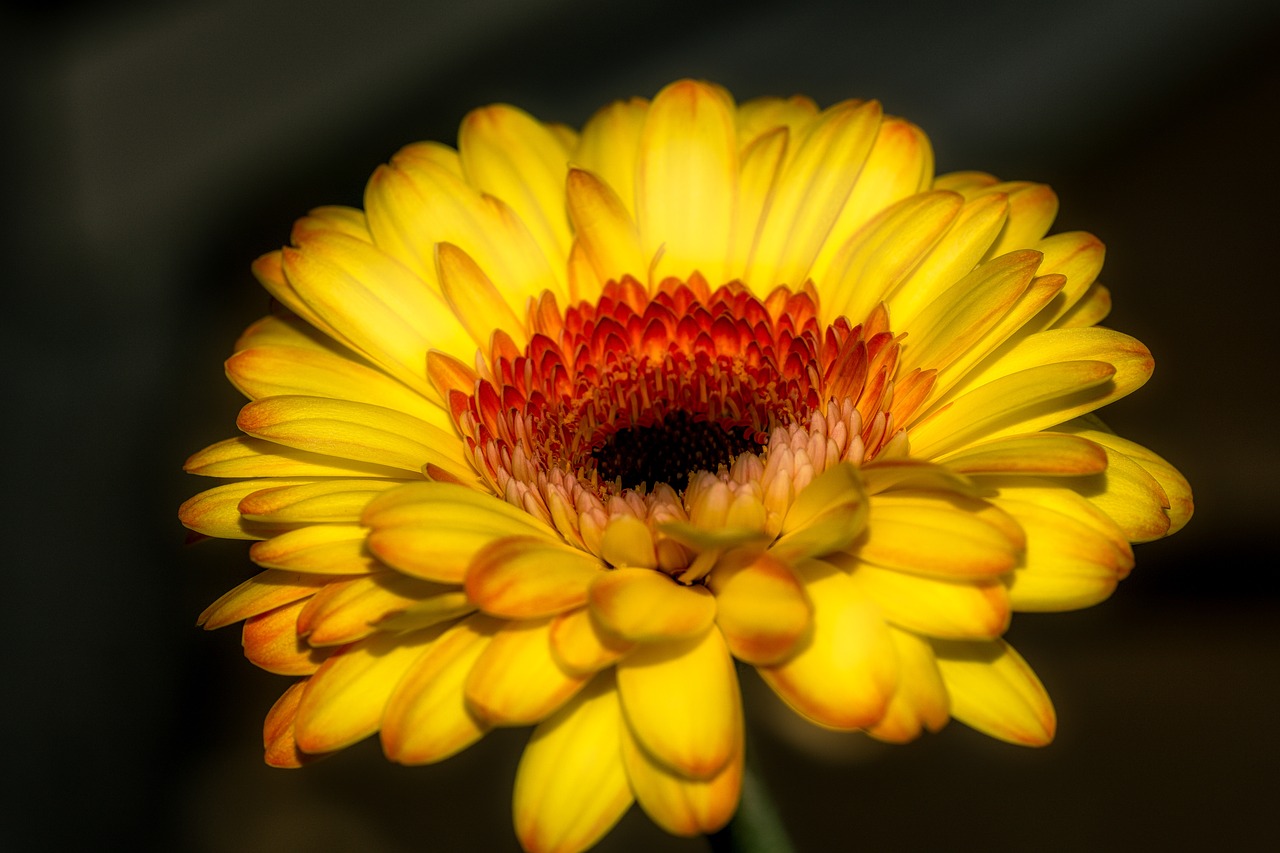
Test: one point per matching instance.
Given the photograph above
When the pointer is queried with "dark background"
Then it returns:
(154, 149)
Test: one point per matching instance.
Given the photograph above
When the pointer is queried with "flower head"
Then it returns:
(562, 425)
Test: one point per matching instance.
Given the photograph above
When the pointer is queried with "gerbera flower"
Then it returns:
(562, 428)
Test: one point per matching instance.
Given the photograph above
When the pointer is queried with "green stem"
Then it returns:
(756, 827)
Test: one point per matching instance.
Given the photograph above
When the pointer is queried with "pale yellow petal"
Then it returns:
(571, 787)
(759, 165)
(682, 703)
(384, 310)
(686, 182)
(994, 691)
(216, 512)
(879, 257)
(1020, 402)
(604, 229)
(811, 191)
(508, 154)
(609, 144)
(628, 542)
(826, 516)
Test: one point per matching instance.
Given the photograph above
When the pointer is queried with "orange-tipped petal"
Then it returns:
(680, 805)
(523, 577)
(344, 700)
(271, 641)
(994, 691)
(517, 681)
(427, 717)
(846, 673)
(761, 608)
(571, 787)
(643, 605)
(682, 703)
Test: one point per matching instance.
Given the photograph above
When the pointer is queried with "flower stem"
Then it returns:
(756, 826)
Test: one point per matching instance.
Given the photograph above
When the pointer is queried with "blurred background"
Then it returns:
(155, 148)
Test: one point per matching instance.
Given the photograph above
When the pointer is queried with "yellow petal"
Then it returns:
(313, 503)
(271, 642)
(1077, 255)
(604, 229)
(216, 512)
(950, 325)
(1020, 402)
(522, 577)
(811, 191)
(642, 605)
(434, 530)
(343, 701)
(608, 146)
(846, 673)
(994, 691)
(936, 534)
(936, 607)
(516, 681)
(1175, 487)
(1043, 453)
(1032, 208)
(759, 117)
(417, 203)
(427, 718)
(628, 542)
(680, 805)
(243, 456)
(581, 646)
(260, 593)
(383, 309)
(953, 257)
(356, 431)
(1069, 562)
(826, 516)
(271, 371)
(761, 608)
(920, 703)
(686, 183)
(508, 154)
(760, 163)
(1092, 309)
(279, 747)
(571, 787)
(682, 703)
(329, 549)
(473, 298)
(346, 611)
(900, 165)
(874, 262)
(287, 330)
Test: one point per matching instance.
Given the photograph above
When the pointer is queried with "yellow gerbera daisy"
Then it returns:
(562, 425)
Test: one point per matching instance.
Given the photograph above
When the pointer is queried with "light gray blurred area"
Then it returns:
(154, 149)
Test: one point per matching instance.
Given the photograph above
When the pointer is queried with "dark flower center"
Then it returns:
(669, 450)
